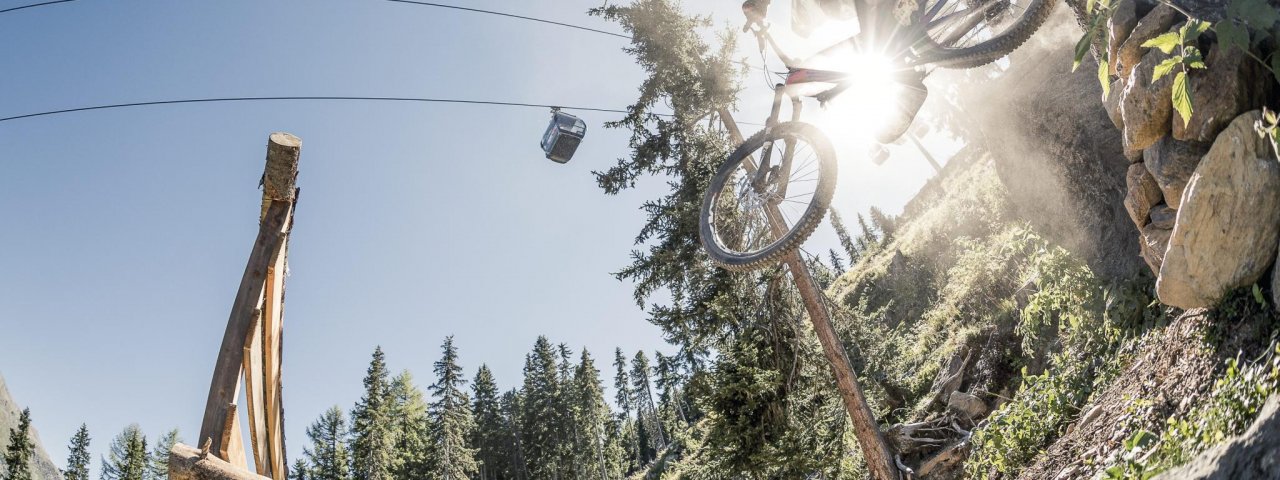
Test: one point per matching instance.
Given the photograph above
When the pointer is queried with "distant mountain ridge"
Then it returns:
(42, 467)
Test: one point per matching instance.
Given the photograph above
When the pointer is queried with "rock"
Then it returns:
(1155, 241)
(42, 467)
(1228, 226)
(1254, 455)
(1146, 108)
(1232, 84)
(1112, 104)
(1162, 216)
(1119, 26)
(967, 404)
(1172, 162)
(1150, 26)
(1143, 193)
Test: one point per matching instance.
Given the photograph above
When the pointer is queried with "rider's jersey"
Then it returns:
(808, 15)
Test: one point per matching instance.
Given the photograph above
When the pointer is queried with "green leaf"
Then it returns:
(1191, 30)
(1182, 97)
(1275, 66)
(1088, 6)
(1193, 60)
(1166, 42)
(1164, 68)
(1104, 77)
(1233, 35)
(1256, 13)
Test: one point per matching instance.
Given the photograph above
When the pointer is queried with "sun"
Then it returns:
(870, 106)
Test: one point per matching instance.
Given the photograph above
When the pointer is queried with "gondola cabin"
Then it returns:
(564, 133)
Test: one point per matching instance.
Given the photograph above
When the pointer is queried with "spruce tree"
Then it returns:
(78, 459)
(512, 405)
(884, 222)
(646, 411)
(451, 419)
(300, 471)
(851, 249)
(127, 458)
(158, 464)
(490, 436)
(412, 429)
(539, 418)
(622, 395)
(373, 442)
(591, 415)
(17, 457)
(326, 457)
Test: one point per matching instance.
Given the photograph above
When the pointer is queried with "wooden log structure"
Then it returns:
(251, 353)
(880, 462)
(190, 463)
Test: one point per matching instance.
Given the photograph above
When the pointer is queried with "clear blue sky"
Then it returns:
(125, 232)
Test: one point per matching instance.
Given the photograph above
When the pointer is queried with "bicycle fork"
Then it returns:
(767, 174)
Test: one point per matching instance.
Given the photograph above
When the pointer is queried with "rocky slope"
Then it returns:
(44, 468)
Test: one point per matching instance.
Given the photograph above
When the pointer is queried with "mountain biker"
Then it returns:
(807, 13)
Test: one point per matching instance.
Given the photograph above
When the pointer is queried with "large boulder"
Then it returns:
(1253, 455)
(1112, 105)
(1162, 216)
(1171, 163)
(1150, 26)
(1146, 107)
(1143, 193)
(1154, 243)
(1228, 226)
(1121, 23)
(1231, 84)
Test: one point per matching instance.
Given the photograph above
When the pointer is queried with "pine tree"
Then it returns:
(326, 457)
(591, 415)
(158, 465)
(539, 423)
(412, 429)
(868, 238)
(127, 459)
(622, 395)
(451, 419)
(884, 222)
(374, 442)
(667, 377)
(836, 263)
(300, 470)
(17, 457)
(512, 405)
(851, 249)
(490, 437)
(646, 412)
(566, 460)
(78, 459)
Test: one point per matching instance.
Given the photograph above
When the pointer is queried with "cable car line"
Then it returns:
(323, 98)
(317, 98)
(41, 4)
(502, 14)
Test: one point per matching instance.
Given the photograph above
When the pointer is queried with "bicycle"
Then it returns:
(753, 214)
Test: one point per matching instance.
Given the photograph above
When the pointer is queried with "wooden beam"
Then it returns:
(875, 450)
(188, 463)
(272, 329)
(279, 193)
(232, 445)
(255, 405)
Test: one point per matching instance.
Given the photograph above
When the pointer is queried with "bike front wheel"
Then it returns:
(749, 221)
(963, 34)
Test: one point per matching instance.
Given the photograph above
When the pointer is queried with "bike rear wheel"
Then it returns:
(972, 33)
(744, 226)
